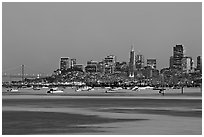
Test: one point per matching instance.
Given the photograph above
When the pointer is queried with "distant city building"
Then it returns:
(101, 67)
(79, 67)
(91, 66)
(73, 62)
(187, 64)
(64, 63)
(177, 56)
(121, 67)
(193, 67)
(110, 62)
(132, 62)
(109, 69)
(147, 71)
(199, 63)
(150, 72)
(151, 63)
(171, 62)
(111, 59)
(139, 61)
(91, 62)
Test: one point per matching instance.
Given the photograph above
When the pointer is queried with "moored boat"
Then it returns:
(12, 90)
(54, 90)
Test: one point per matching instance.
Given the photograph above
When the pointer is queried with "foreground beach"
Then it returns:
(96, 112)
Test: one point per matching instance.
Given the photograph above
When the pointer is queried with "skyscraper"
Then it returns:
(132, 62)
(110, 62)
(177, 56)
(139, 61)
(187, 64)
(199, 63)
(73, 62)
(64, 63)
(171, 62)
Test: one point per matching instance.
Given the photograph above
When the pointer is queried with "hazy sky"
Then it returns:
(38, 34)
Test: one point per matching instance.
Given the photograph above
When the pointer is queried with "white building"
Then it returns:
(187, 64)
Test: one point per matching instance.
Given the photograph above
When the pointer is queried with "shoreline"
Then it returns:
(97, 96)
(189, 93)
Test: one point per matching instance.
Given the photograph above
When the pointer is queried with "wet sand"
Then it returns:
(102, 114)
(34, 122)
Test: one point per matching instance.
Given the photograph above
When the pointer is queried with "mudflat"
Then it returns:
(100, 113)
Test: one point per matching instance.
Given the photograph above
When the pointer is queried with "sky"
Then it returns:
(38, 34)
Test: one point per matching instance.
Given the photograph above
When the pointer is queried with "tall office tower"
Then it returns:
(110, 62)
(132, 62)
(152, 63)
(177, 57)
(73, 62)
(171, 62)
(64, 63)
(199, 63)
(139, 61)
(187, 64)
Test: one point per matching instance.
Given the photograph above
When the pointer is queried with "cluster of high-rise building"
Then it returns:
(183, 63)
(67, 63)
(108, 65)
(136, 67)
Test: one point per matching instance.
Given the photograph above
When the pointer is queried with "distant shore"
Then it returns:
(189, 93)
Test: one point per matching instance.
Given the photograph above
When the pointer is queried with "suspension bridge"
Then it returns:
(21, 72)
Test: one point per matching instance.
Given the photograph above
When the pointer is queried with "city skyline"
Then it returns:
(92, 31)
